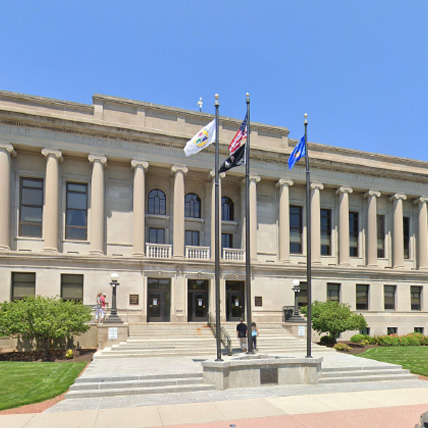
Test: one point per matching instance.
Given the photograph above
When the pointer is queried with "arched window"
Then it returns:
(192, 205)
(157, 202)
(226, 209)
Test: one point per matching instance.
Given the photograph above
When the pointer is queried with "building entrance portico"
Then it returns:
(197, 300)
(158, 300)
(235, 307)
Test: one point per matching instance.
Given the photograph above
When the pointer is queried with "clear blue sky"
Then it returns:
(358, 68)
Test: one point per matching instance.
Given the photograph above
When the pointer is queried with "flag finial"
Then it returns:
(200, 103)
(216, 100)
(248, 97)
(306, 117)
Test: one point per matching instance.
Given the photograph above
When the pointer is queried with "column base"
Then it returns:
(96, 252)
(4, 248)
(50, 250)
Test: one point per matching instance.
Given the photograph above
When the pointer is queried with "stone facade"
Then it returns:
(86, 189)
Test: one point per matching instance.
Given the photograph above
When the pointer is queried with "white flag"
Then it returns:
(202, 139)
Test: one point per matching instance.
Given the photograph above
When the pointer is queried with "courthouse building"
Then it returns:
(88, 190)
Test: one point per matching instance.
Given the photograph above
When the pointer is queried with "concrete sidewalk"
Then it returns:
(395, 408)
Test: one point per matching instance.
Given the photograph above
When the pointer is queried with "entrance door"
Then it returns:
(235, 307)
(197, 301)
(158, 300)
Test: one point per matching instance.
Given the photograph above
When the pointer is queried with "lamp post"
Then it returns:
(297, 318)
(114, 318)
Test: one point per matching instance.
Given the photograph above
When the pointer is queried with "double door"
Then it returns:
(158, 300)
(235, 303)
(197, 300)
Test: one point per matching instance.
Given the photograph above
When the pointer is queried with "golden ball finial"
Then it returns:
(247, 94)
(216, 96)
(306, 115)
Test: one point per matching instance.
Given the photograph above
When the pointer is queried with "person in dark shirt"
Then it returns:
(241, 334)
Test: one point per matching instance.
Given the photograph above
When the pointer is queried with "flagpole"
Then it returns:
(308, 244)
(217, 232)
(247, 229)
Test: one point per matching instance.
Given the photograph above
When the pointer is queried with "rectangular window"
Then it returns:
(389, 297)
(353, 234)
(380, 236)
(192, 237)
(362, 297)
(31, 207)
(391, 330)
(302, 297)
(365, 331)
(333, 292)
(23, 284)
(326, 232)
(226, 240)
(76, 223)
(419, 330)
(72, 287)
(156, 235)
(296, 228)
(406, 236)
(415, 298)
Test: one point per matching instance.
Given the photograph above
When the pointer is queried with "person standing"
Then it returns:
(99, 314)
(104, 305)
(254, 334)
(241, 334)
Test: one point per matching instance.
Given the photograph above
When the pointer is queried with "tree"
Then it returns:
(334, 318)
(44, 319)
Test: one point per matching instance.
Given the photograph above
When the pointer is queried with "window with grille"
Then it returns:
(31, 207)
(157, 202)
(76, 223)
(296, 228)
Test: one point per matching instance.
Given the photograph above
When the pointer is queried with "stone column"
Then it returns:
(178, 220)
(97, 204)
(139, 204)
(344, 224)
(316, 222)
(397, 235)
(422, 233)
(51, 206)
(254, 179)
(220, 177)
(284, 219)
(372, 196)
(6, 150)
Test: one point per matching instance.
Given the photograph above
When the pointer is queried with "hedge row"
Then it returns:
(411, 339)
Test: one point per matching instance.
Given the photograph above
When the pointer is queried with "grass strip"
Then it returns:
(33, 382)
(413, 358)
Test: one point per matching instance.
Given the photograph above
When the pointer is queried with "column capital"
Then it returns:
(212, 174)
(284, 182)
(344, 189)
(100, 158)
(317, 186)
(371, 193)
(255, 178)
(398, 196)
(8, 148)
(136, 163)
(50, 152)
(421, 200)
(179, 168)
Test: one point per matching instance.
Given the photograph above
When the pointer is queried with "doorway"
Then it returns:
(158, 300)
(197, 300)
(235, 307)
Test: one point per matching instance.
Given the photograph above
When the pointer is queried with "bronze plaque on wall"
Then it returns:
(258, 301)
(134, 299)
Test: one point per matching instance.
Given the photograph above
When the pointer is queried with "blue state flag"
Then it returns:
(298, 152)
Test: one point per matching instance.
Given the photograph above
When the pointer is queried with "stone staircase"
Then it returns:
(365, 374)
(115, 386)
(274, 339)
(173, 339)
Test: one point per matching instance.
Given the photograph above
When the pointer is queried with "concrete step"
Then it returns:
(121, 378)
(114, 392)
(368, 378)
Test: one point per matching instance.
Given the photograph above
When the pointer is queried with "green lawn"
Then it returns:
(413, 358)
(27, 383)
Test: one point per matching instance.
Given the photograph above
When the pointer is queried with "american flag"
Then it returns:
(239, 136)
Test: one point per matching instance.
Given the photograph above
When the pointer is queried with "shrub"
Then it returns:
(69, 354)
(358, 338)
(334, 318)
(341, 347)
(327, 340)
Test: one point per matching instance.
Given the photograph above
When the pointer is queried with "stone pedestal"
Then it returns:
(111, 334)
(261, 370)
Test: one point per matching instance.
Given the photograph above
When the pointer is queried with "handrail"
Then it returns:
(224, 337)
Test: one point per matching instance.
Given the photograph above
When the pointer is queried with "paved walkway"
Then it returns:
(389, 404)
